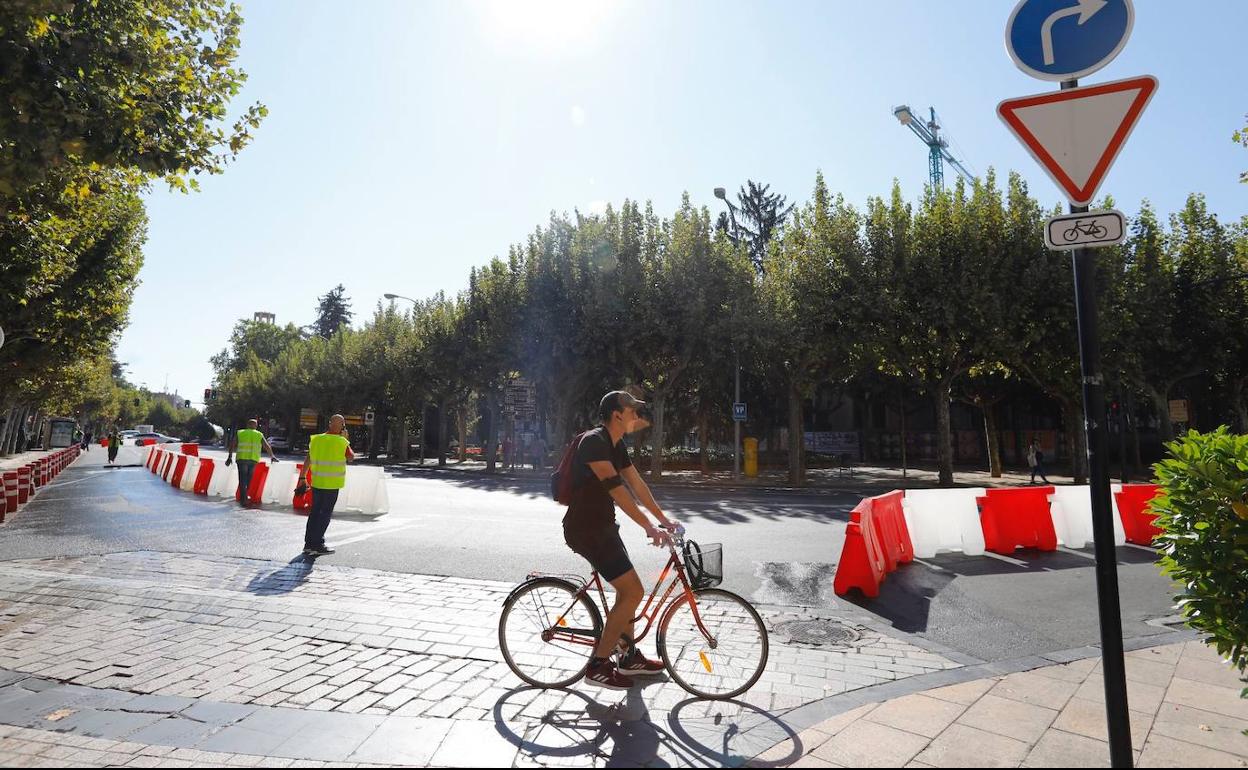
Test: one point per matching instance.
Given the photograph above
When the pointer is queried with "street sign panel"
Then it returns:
(1067, 39)
(738, 412)
(308, 418)
(355, 419)
(1094, 228)
(1075, 134)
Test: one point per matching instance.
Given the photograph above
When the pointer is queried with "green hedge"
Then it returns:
(1203, 512)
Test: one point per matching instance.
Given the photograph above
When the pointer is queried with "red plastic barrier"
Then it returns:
(204, 477)
(1017, 518)
(23, 484)
(178, 469)
(862, 563)
(1137, 518)
(256, 490)
(890, 529)
(147, 441)
(190, 449)
(10, 494)
(154, 459)
(104, 443)
(303, 503)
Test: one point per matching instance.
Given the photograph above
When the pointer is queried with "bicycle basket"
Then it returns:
(704, 563)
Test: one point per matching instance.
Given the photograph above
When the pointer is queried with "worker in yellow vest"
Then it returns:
(326, 462)
(246, 446)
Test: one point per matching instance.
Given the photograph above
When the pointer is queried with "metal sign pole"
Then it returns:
(1113, 666)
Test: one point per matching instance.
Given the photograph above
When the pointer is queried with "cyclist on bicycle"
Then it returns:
(601, 473)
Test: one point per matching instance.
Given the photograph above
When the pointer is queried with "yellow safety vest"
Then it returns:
(327, 454)
(249, 444)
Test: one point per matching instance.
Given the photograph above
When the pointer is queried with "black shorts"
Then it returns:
(602, 548)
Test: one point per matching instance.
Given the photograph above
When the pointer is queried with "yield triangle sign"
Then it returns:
(1076, 133)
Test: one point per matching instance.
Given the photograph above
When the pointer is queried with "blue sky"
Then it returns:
(410, 141)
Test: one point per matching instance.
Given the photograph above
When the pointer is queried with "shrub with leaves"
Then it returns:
(1203, 512)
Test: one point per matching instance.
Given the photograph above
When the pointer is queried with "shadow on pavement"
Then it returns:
(283, 580)
(906, 595)
(548, 725)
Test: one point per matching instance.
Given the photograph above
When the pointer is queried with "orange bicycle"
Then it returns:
(713, 642)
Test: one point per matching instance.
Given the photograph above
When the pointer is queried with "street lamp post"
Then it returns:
(736, 356)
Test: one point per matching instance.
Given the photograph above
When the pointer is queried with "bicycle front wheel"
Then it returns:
(727, 663)
(547, 632)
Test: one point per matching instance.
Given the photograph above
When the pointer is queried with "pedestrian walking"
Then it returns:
(507, 453)
(86, 440)
(540, 450)
(114, 444)
(328, 454)
(604, 477)
(246, 444)
(1035, 458)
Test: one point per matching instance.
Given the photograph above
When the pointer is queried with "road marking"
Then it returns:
(367, 535)
(999, 557)
(1073, 552)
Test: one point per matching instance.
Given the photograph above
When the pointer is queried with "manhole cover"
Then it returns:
(817, 632)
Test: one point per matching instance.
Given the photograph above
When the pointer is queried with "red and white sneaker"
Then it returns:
(639, 665)
(606, 675)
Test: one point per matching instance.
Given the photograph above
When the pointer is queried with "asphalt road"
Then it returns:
(780, 547)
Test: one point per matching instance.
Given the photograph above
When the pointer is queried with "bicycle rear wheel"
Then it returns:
(727, 664)
(547, 632)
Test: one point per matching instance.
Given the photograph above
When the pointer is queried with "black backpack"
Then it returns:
(562, 483)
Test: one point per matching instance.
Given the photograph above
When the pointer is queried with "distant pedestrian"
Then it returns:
(1035, 458)
(247, 444)
(328, 454)
(540, 451)
(507, 453)
(114, 443)
(86, 440)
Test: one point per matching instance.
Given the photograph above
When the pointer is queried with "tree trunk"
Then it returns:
(1241, 407)
(462, 416)
(6, 430)
(797, 469)
(444, 434)
(1137, 464)
(1076, 440)
(703, 439)
(659, 401)
(901, 405)
(1161, 402)
(944, 454)
(439, 412)
(401, 436)
(994, 443)
(491, 430)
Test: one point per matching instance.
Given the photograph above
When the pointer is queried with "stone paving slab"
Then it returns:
(1052, 716)
(312, 662)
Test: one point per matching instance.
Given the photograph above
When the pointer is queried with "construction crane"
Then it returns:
(938, 148)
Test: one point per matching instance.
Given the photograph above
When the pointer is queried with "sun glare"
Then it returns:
(545, 27)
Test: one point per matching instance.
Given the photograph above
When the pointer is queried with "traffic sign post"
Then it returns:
(1075, 135)
(1095, 228)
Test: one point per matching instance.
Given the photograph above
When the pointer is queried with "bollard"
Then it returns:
(23, 484)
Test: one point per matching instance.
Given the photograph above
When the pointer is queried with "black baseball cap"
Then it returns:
(617, 401)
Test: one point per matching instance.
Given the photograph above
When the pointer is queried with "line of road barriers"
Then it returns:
(891, 529)
(271, 483)
(21, 483)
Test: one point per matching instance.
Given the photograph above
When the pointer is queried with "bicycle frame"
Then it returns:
(649, 612)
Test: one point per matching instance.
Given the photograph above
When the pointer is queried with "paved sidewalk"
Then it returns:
(1184, 703)
(261, 662)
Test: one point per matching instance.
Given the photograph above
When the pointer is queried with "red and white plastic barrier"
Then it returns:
(888, 530)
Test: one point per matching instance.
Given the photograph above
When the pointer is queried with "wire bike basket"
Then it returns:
(704, 564)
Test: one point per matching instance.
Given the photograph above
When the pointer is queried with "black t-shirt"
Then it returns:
(592, 507)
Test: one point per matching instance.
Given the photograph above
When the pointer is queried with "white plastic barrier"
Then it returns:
(365, 491)
(944, 520)
(279, 487)
(224, 480)
(189, 473)
(1072, 515)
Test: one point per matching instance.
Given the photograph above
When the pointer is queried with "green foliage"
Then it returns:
(137, 84)
(756, 220)
(1241, 136)
(1203, 510)
(333, 311)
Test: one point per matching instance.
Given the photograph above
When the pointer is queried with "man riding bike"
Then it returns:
(601, 472)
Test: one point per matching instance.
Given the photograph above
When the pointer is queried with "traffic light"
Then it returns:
(207, 395)
(187, 403)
